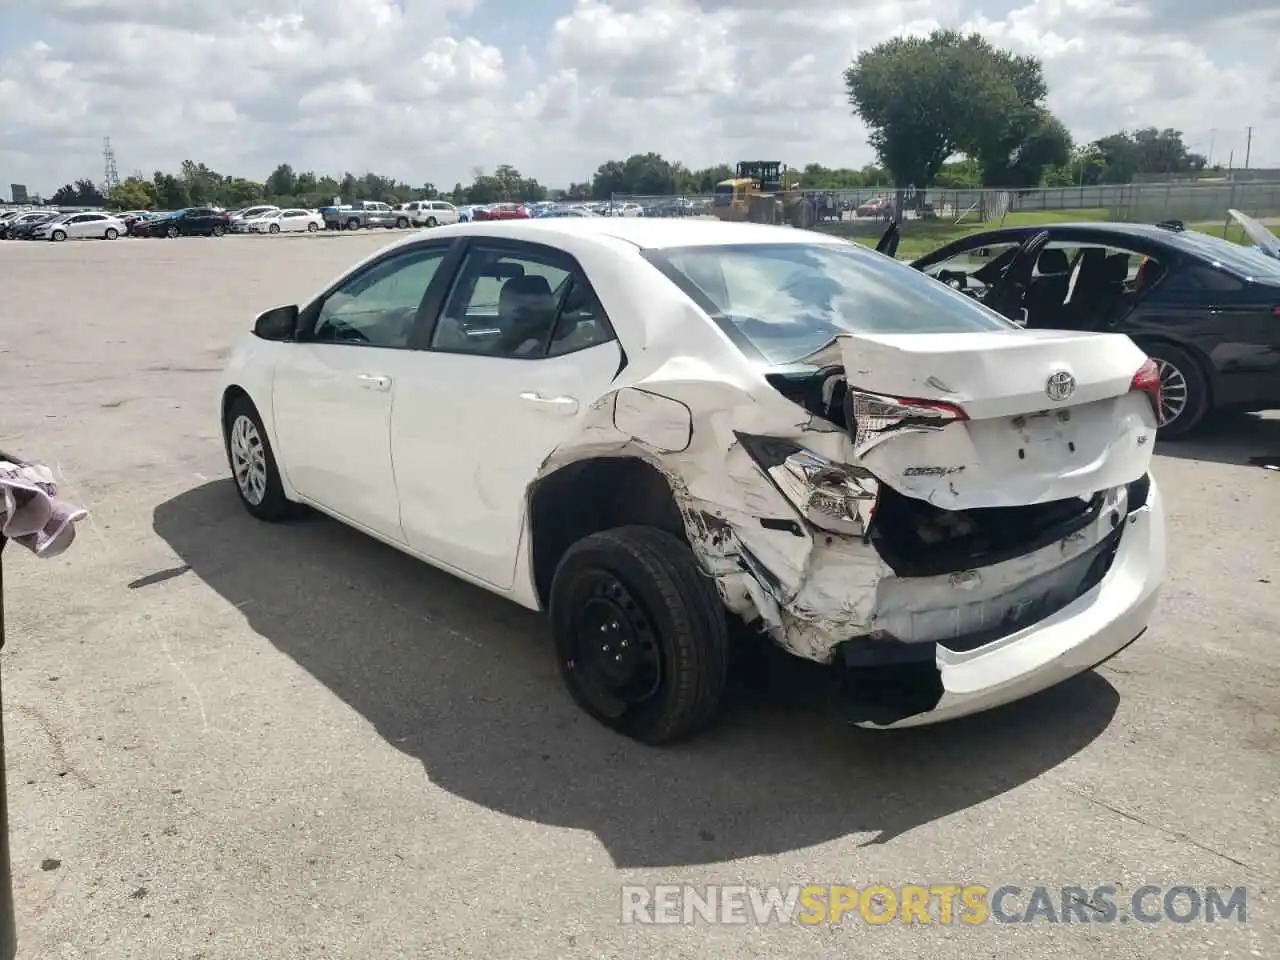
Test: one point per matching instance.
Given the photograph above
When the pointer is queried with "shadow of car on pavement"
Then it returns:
(465, 682)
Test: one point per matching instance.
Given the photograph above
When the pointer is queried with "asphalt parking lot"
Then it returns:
(231, 740)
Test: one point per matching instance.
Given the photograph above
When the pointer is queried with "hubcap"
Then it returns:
(249, 460)
(615, 647)
(1173, 392)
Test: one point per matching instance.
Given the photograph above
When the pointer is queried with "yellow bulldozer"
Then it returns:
(762, 191)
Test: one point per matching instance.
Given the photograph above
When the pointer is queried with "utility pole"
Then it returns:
(1213, 134)
(110, 175)
(1248, 146)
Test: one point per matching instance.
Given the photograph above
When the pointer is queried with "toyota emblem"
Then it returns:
(1060, 386)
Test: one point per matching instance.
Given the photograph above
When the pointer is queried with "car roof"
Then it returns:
(647, 234)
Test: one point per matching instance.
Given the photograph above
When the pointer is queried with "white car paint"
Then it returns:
(435, 453)
(82, 226)
(430, 213)
(241, 221)
(292, 220)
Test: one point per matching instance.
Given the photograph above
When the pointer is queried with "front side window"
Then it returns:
(789, 299)
(379, 307)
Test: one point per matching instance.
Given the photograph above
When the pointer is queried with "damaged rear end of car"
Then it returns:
(969, 515)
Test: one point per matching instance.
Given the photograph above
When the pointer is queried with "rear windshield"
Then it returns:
(786, 300)
(1245, 261)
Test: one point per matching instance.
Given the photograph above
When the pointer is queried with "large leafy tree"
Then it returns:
(1124, 155)
(82, 193)
(926, 99)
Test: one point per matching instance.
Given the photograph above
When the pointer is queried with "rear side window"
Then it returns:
(786, 300)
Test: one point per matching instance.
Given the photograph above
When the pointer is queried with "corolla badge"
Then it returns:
(1060, 386)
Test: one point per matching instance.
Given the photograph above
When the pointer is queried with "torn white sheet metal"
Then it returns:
(1023, 442)
(809, 576)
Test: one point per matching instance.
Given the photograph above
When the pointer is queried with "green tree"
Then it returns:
(926, 99)
(236, 192)
(1148, 151)
(282, 182)
(170, 192)
(132, 193)
(82, 193)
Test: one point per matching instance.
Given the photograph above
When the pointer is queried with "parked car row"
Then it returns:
(56, 226)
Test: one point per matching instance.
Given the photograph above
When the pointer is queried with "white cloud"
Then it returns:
(431, 90)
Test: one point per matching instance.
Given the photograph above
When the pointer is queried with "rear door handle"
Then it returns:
(563, 405)
(371, 382)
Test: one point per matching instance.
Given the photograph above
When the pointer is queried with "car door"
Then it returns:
(90, 226)
(1007, 295)
(519, 351)
(335, 388)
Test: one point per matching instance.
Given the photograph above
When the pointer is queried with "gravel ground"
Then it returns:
(230, 740)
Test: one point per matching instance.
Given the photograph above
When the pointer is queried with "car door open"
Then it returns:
(520, 350)
(335, 388)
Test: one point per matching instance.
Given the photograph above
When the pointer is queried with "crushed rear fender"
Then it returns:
(777, 512)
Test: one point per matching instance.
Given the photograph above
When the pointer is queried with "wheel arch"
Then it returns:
(591, 495)
(1196, 353)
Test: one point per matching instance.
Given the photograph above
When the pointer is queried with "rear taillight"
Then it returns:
(1147, 380)
(1275, 312)
(872, 414)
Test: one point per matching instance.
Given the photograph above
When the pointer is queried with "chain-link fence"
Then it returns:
(1138, 203)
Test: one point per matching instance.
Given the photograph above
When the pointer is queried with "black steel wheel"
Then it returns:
(640, 632)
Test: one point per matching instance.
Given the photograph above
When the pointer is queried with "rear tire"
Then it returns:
(353, 224)
(431, 221)
(253, 464)
(111, 233)
(171, 233)
(312, 228)
(1185, 398)
(402, 223)
(216, 232)
(640, 633)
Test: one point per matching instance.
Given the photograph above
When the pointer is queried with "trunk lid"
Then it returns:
(995, 419)
(1265, 240)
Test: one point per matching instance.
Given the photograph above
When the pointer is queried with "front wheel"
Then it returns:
(216, 231)
(253, 465)
(58, 235)
(640, 634)
(402, 223)
(111, 233)
(1184, 391)
(274, 228)
(172, 233)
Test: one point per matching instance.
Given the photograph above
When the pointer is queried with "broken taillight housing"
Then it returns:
(833, 497)
(1147, 380)
(871, 415)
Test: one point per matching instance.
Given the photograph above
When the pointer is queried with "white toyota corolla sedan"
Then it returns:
(662, 432)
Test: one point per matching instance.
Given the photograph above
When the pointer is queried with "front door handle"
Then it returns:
(563, 405)
(371, 382)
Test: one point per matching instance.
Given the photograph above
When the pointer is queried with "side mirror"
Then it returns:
(278, 323)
